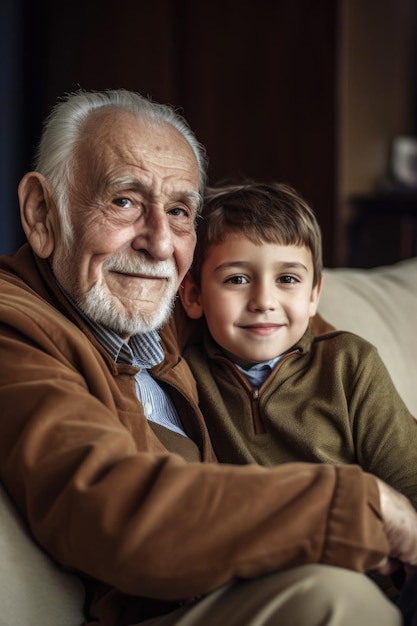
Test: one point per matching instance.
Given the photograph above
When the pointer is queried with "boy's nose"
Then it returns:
(262, 298)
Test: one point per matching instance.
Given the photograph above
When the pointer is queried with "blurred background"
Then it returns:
(321, 94)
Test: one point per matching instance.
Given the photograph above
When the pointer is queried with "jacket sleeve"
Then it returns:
(384, 431)
(148, 523)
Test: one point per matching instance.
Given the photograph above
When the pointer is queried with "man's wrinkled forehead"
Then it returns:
(118, 138)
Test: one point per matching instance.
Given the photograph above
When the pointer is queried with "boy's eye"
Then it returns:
(287, 280)
(237, 280)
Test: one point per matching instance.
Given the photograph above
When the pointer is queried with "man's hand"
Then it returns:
(400, 525)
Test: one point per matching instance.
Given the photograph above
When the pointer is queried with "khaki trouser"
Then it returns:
(311, 595)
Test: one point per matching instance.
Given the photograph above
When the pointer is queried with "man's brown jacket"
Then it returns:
(104, 496)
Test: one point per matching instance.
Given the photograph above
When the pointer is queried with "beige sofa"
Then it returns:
(380, 304)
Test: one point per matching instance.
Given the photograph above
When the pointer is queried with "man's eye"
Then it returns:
(123, 203)
(179, 211)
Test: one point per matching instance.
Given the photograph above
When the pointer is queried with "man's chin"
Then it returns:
(144, 323)
(126, 318)
(137, 322)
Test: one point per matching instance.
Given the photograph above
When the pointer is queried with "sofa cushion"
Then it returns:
(380, 304)
(34, 591)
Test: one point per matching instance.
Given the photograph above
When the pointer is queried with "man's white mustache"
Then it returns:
(139, 265)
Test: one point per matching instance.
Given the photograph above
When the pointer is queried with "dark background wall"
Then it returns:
(257, 81)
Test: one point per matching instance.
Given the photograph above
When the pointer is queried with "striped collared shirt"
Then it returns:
(143, 351)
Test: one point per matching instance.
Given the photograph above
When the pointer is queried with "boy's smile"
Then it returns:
(257, 298)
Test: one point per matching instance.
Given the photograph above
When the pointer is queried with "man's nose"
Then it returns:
(154, 235)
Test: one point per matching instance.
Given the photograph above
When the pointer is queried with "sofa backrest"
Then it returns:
(380, 304)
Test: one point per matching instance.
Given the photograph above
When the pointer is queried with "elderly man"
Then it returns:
(103, 448)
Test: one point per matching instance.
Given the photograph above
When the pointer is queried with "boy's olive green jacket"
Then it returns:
(330, 399)
(103, 495)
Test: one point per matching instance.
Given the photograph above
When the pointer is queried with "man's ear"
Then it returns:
(315, 296)
(37, 213)
(190, 298)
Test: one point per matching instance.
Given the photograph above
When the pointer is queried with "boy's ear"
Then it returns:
(315, 296)
(37, 213)
(190, 298)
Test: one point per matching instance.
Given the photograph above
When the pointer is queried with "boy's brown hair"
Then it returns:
(262, 212)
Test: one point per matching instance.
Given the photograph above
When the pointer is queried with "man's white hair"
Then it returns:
(63, 127)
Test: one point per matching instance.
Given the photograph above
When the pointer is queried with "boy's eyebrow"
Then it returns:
(294, 265)
(283, 265)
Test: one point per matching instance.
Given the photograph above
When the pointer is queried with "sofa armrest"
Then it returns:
(34, 591)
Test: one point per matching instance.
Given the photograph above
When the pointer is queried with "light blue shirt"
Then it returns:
(258, 373)
(143, 351)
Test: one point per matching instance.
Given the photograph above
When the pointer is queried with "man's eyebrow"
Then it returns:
(189, 197)
(128, 182)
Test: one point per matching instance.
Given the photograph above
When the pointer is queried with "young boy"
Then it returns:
(270, 390)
